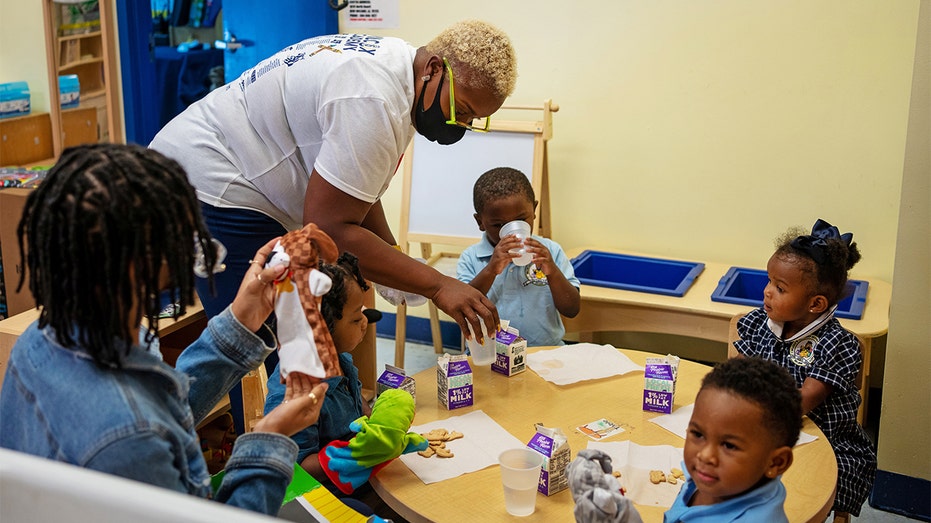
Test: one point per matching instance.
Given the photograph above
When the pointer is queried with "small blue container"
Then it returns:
(744, 286)
(15, 99)
(69, 91)
(636, 273)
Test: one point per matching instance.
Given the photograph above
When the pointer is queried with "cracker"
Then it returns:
(436, 439)
(657, 477)
(677, 473)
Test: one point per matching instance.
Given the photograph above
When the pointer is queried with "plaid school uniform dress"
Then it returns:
(827, 352)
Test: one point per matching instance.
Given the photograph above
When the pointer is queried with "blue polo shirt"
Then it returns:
(522, 294)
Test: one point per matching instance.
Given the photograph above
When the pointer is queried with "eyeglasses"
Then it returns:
(452, 107)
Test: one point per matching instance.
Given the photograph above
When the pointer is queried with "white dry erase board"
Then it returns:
(443, 175)
(438, 179)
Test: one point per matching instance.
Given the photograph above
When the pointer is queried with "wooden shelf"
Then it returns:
(91, 56)
(67, 38)
(83, 61)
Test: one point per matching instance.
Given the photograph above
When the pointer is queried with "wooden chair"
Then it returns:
(732, 336)
(254, 390)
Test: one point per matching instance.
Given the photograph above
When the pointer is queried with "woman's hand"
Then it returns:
(255, 300)
(300, 408)
(465, 304)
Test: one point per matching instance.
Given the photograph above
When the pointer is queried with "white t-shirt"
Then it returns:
(339, 104)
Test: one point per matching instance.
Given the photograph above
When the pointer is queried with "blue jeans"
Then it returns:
(243, 232)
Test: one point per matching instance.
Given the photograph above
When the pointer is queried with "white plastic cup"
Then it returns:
(521, 230)
(482, 354)
(520, 474)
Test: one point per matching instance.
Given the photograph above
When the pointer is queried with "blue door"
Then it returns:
(264, 27)
(270, 28)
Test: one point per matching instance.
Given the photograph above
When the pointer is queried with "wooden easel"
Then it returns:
(438, 179)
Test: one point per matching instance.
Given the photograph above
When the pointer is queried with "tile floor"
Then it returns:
(418, 357)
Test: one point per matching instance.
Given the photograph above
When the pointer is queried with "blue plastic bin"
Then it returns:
(636, 273)
(745, 286)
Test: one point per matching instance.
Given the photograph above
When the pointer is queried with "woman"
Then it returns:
(316, 132)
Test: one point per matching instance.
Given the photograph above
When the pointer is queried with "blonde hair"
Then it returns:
(480, 53)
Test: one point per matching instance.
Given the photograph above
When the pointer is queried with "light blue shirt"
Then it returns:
(522, 294)
(764, 503)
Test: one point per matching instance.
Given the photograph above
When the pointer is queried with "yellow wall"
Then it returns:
(705, 129)
(904, 445)
(22, 49)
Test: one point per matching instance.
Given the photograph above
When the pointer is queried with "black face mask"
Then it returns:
(432, 123)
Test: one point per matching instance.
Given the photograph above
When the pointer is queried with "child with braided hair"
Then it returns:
(796, 328)
(108, 229)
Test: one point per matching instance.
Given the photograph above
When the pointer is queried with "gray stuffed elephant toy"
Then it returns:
(596, 492)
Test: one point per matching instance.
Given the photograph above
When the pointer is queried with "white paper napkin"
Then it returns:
(678, 424)
(635, 462)
(481, 442)
(582, 361)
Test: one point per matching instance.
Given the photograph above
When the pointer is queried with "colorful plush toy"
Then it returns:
(596, 492)
(379, 438)
(306, 345)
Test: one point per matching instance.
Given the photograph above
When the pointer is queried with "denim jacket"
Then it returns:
(139, 422)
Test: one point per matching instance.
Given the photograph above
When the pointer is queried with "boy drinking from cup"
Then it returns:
(532, 296)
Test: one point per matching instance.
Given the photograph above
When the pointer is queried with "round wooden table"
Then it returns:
(519, 401)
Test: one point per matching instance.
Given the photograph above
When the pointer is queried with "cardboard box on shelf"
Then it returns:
(15, 99)
(12, 203)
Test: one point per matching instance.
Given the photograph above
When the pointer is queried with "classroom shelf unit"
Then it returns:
(80, 40)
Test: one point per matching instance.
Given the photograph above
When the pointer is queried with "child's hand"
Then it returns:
(500, 258)
(300, 408)
(542, 257)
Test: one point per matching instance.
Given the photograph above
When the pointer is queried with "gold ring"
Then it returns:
(313, 397)
(256, 262)
(259, 277)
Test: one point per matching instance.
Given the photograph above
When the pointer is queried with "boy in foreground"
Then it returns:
(747, 418)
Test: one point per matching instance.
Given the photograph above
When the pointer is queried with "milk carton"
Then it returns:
(395, 378)
(454, 381)
(510, 351)
(553, 445)
(659, 385)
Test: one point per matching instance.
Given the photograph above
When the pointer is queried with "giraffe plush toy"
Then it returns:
(305, 343)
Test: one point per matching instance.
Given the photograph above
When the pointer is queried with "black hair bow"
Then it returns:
(815, 244)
